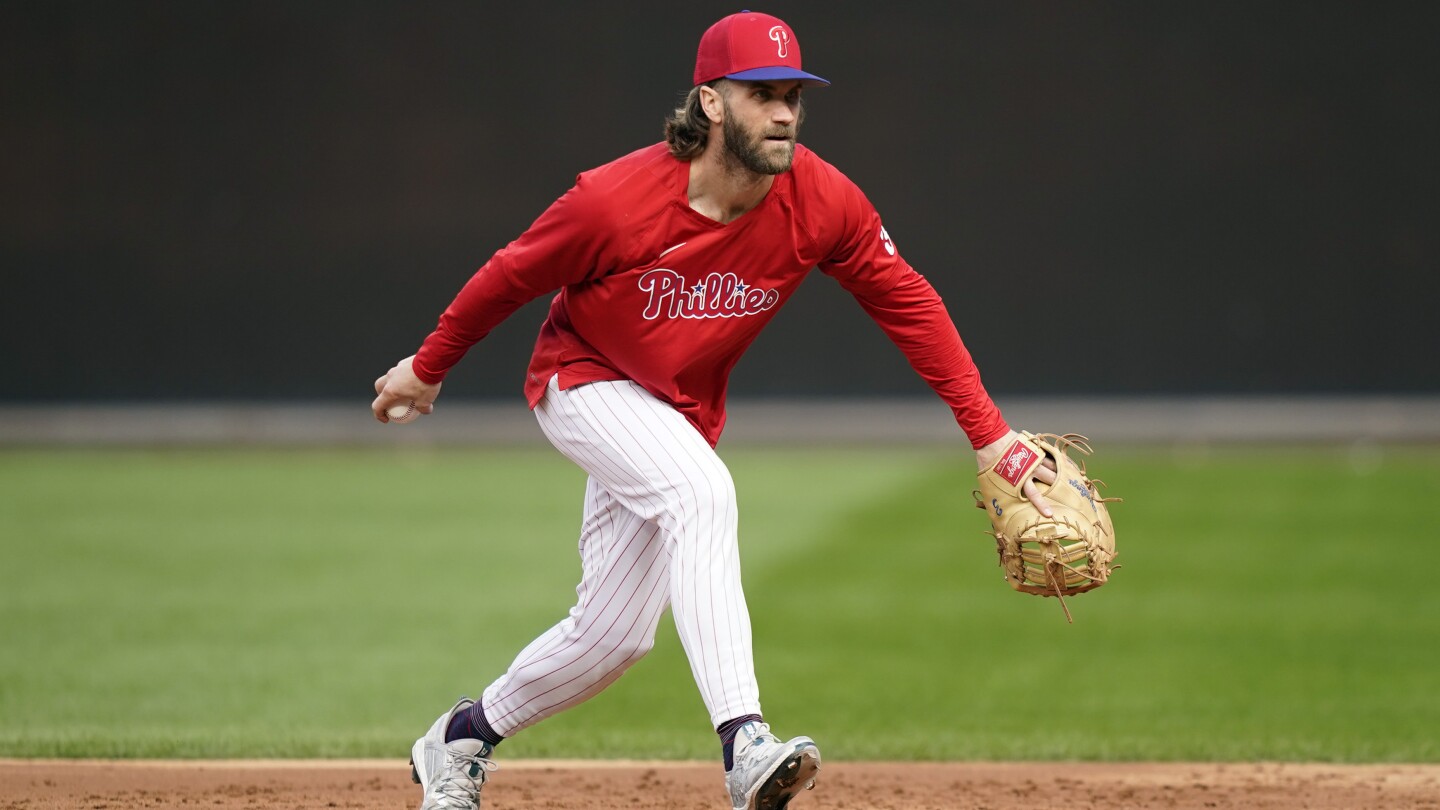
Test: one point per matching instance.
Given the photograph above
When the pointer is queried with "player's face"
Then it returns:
(761, 122)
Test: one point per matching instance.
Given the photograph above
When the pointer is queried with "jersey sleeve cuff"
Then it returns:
(425, 375)
(990, 436)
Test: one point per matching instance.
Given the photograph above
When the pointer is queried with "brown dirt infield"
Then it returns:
(588, 785)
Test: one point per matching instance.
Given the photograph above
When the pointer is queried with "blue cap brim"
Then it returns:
(773, 73)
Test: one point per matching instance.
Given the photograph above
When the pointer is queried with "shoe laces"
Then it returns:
(464, 775)
(762, 735)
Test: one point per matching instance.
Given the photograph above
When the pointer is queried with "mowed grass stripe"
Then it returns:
(255, 603)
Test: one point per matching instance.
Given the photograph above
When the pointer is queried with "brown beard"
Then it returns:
(747, 150)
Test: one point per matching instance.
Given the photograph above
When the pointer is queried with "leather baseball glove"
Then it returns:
(1068, 553)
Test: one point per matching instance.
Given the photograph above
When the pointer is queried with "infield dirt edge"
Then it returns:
(595, 784)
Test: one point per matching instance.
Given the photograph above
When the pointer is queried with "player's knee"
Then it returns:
(636, 649)
(710, 501)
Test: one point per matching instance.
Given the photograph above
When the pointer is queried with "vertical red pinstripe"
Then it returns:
(660, 529)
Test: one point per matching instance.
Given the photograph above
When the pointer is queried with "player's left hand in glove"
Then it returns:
(1053, 531)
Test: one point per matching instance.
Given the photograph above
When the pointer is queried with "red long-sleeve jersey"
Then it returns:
(650, 290)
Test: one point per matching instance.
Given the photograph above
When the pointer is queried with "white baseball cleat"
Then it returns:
(450, 773)
(768, 773)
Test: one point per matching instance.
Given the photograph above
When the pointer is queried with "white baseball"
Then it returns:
(400, 414)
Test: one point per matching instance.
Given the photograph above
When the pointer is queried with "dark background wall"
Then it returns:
(274, 200)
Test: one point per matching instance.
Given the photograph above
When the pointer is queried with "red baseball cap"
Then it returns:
(750, 46)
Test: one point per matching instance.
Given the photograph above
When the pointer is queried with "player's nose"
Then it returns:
(783, 115)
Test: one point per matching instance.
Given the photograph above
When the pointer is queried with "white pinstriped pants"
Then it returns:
(659, 529)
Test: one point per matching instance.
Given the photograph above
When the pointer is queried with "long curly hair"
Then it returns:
(687, 130)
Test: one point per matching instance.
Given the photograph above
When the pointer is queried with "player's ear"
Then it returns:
(713, 103)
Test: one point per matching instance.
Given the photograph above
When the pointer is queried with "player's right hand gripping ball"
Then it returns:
(1072, 551)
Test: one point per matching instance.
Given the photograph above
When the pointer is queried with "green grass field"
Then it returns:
(1274, 604)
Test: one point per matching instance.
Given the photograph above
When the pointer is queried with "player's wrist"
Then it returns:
(992, 437)
(424, 374)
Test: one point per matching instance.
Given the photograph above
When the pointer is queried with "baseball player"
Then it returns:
(668, 262)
